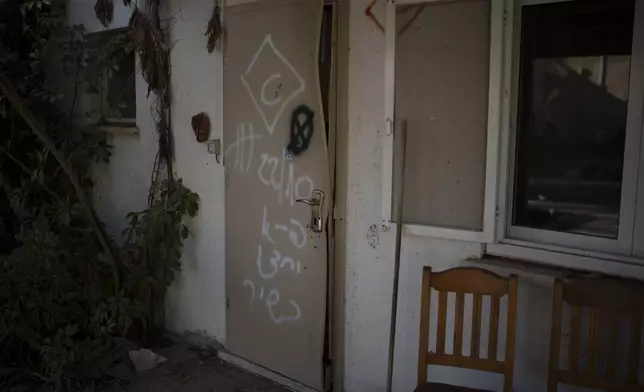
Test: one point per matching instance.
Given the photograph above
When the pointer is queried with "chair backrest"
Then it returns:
(479, 283)
(610, 301)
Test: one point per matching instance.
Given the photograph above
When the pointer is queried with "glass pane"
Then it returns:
(573, 95)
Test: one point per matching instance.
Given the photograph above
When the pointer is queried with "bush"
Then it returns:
(66, 289)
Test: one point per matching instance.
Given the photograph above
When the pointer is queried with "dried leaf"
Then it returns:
(214, 30)
(104, 10)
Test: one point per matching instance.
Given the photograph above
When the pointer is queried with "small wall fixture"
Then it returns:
(214, 148)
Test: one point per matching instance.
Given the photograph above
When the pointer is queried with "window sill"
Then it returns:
(445, 233)
(547, 256)
(120, 129)
(626, 267)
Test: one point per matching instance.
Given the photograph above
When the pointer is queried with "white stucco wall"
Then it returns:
(196, 302)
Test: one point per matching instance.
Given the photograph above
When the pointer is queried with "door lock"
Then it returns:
(317, 209)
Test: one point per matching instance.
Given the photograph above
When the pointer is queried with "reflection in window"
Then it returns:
(120, 97)
(112, 68)
(575, 63)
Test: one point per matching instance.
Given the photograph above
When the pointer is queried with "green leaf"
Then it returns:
(71, 330)
(92, 89)
(102, 257)
(184, 232)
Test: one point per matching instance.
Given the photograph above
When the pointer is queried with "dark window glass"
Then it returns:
(121, 96)
(573, 95)
(112, 66)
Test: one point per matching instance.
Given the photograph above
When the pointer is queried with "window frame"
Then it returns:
(495, 93)
(504, 28)
(510, 234)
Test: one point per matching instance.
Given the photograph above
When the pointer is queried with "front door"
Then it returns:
(277, 187)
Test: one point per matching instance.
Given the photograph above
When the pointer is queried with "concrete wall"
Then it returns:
(197, 301)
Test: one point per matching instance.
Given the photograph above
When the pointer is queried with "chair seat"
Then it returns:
(438, 387)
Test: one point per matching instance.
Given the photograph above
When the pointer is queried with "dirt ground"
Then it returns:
(193, 370)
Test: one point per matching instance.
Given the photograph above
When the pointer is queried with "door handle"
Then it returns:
(311, 202)
(317, 209)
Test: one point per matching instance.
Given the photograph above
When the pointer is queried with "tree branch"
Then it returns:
(7, 88)
(26, 170)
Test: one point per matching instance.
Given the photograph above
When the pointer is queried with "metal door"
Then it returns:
(275, 155)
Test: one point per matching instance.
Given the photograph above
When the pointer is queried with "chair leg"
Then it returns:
(508, 382)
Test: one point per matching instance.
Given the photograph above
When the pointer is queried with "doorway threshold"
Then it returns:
(264, 372)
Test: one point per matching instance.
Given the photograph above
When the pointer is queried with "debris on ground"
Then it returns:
(145, 359)
(190, 369)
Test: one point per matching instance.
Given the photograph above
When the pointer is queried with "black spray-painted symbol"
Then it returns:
(301, 129)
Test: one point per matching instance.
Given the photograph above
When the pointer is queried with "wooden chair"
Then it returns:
(478, 282)
(615, 300)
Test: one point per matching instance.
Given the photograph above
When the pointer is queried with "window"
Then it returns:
(577, 139)
(113, 98)
(556, 175)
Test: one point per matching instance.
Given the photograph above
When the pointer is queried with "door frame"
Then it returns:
(337, 143)
(339, 119)
(337, 155)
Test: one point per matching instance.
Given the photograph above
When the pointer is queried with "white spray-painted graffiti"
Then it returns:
(243, 146)
(277, 261)
(281, 237)
(296, 233)
(267, 48)
(291, 190)
(272, 299)
(277, 99)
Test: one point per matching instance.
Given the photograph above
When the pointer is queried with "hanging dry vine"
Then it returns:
(155, 235)
(104, 10)
(154, 55)
(214, 30)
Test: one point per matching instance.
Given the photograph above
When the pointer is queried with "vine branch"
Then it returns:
(14, 99)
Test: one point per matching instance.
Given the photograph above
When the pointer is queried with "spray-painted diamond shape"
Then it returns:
(272, 82)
